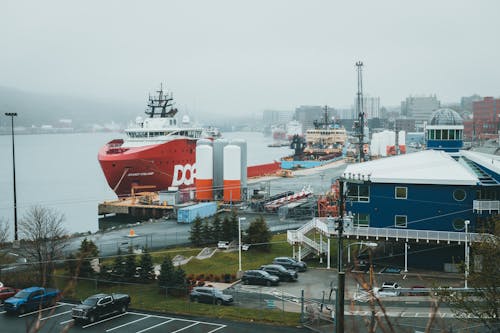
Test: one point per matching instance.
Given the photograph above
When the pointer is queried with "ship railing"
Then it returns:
(486, 205)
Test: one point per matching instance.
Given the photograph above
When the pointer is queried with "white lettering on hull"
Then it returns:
(184, 175)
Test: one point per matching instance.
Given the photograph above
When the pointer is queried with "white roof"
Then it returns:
(489, 161)
(424, 167)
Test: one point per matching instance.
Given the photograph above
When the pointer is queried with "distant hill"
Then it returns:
(39, 109)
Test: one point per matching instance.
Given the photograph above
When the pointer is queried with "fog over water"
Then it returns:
(61, 171)
(237, 58)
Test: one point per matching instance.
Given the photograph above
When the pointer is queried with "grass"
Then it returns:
(150, 297)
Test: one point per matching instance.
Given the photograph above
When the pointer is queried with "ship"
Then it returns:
(293, 128)
(158, 152)
(321, 145)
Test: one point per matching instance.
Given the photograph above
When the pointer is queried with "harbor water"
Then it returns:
(61, 171)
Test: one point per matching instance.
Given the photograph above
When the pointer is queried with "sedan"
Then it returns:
(7, 292)
(210, 295)
(259, 277)
(281, 272)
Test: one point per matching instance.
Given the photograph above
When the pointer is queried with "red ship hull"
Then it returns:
(156, 167)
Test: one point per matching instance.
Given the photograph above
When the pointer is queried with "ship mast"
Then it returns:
(163, 101)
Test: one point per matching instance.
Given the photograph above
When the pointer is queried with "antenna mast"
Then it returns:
(359, 110)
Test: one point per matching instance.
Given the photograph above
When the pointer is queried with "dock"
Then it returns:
(143, 205)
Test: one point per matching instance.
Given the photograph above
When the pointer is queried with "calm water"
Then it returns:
(61, 171)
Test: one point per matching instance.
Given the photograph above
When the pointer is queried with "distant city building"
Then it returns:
(270, 117)
(466, 102)
(346, 113)
(371, 106)
(404, 124)
(419, 108)
(485, 119)
(307, 114)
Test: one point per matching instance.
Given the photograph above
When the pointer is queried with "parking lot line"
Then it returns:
(135, 321)
(185, 328)
(147, 329)
(57, 314)
(218, 328)
(40, 310)
(2, 312)
(66, 321)
(102, 321)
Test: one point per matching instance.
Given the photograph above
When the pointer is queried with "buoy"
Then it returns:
(132, 233)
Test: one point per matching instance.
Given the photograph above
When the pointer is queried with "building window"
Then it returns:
(459, 195)
(400, 221)
(361, 220)
(458, 224)
(438, 134)
(401, 192)
(357, 192)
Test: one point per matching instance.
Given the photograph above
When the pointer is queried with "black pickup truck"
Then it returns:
(99, 306)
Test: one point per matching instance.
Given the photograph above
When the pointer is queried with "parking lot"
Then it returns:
(58, 319)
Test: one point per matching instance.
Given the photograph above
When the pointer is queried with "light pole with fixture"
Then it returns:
(466, 222)
(239, 241)
(368, 244)
(12, 115)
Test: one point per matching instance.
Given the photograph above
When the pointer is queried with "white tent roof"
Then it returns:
(424, 167)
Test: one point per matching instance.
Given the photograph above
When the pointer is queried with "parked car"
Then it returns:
(31, 299)
(210, 295)
(389, 289)
(281, 272)
(7, 292)
(223, 245)
(259, 277)
(99, 306)
(290, 263)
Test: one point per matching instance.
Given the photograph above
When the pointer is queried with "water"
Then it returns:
(61, 171)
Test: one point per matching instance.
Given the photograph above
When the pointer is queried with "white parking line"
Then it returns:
(40, 310)
(66, 321)
(3, 312)
(147, 329)
(57, 314)
(185, 328)
(102, 321)
(218, 328)
(135, 321)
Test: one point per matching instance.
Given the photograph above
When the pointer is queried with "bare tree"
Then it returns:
(4, 231)
(43, 239)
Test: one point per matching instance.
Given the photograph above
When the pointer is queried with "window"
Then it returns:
(357, 192)
(401, 192)
(400, 221)
(459, 195)
(361, 220)
(451, 136)
(438, 134)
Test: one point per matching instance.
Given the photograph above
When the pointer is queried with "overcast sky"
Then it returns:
(246, 56)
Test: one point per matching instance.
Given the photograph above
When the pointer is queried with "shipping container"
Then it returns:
(189, 214)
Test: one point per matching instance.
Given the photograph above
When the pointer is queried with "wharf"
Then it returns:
(140, 206)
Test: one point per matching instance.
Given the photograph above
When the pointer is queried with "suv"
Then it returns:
(210, 295)
(259, 277)
(281, 272)
(389, 289)
(223, 245)
(290, 263)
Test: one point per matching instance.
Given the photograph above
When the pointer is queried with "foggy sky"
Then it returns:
(241, 57)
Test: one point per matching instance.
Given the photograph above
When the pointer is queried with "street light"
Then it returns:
(368, 244)
(466, 222)
(12, 115)
(239, 240)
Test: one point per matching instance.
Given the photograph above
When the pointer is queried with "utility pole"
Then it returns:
(12, 115)
(339, 309)
(360, 111)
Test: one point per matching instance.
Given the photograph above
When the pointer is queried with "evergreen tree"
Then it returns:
(166, 273)
(87, 252)
(226, 229)
(207, 236)
(179, 278)
(130, 265)
(118, 264)
(259, 233)
(217, 228)
(196, 236)
(234, 225)
(146, 264)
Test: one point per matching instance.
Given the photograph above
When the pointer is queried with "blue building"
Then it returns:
(437, 190)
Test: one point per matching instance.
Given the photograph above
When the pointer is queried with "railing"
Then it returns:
(486, 205)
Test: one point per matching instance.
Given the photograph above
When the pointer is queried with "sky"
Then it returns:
(235, 57)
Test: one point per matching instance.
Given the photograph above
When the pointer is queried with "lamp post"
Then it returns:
(239, 241)
(12, 115)
(368, 244)
(466, 222)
